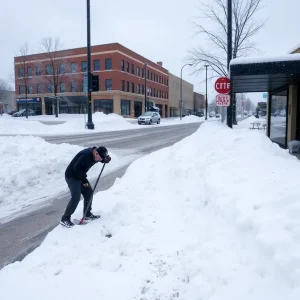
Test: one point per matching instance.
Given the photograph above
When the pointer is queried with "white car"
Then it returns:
(149, 118)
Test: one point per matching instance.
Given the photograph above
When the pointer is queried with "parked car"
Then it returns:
(218, 116)
(212, 114)
(149, 118)
(11, 112)
(22, 113)
(200, 114)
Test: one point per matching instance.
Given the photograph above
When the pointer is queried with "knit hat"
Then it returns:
(102, 151)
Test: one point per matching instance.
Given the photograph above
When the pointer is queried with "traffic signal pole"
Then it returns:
(229, 57)
(89, 124)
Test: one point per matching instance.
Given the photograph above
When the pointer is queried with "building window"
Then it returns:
(151, 76)
(29, 72)
(148, 74)
(62, 87)
(39, 89)
(138, 71)
(132, 69)
(29, 89)
(123, 85)
(49, 70)
(38, 71)
(138, 89)
(122, 65)
(143, 73)
(62, 69)
(108, 84)
(132, 87)
(73, 86)
(159, 94)
(83, 66)
(21, 72)
(97, 65)
(21, 89)
(127, 67)
(73, 67)
(49, 88)
(128, 86)
(167, 82)
(143, 90)
(105, 106)
(108, 64)
(125, 107)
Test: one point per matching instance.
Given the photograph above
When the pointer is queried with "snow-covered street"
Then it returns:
(213, 217)
(33, 169)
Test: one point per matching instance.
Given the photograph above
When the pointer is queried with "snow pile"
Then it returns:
(32, 171)
(214, 217)
(75, 123)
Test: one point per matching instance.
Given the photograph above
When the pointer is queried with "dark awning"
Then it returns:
(257, 75)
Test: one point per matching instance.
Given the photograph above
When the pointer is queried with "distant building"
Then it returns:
(7, 100)
(199, 102)
(121, 73)
(174, 96)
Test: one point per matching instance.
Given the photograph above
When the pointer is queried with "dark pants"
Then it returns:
(76, 189)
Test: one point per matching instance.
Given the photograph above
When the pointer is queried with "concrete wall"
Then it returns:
(174, 93)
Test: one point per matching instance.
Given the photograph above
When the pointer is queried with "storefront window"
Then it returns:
(278, 118)
(125, 107)
(105, 106)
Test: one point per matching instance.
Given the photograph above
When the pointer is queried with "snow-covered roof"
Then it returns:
(265, 59)
(295, 48)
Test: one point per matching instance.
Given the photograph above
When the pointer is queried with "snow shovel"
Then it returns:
(81, 221)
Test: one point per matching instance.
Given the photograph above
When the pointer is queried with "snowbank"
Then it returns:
(75, 123)
(214, 217)
(32, 172)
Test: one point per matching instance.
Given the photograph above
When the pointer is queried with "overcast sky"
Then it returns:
(160, 30)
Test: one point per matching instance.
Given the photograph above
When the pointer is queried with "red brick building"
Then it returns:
(121, 76)
(199, 102)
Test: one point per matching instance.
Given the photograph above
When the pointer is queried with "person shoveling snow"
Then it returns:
(76, 178)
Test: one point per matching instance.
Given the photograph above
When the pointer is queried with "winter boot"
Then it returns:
(91, 217)
(66, 223)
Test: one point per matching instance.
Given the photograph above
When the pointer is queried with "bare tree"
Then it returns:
(55, 67)
(5, 95)
(245, 26)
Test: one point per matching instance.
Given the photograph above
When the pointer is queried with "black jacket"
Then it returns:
(80, 165)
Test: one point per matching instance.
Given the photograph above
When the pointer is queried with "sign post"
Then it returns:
(223, 88)
(223, 85)
(223, 100)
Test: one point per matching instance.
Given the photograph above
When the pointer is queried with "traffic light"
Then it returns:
(95, 83)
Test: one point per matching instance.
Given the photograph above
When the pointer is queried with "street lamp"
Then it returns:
(90, 124)
(145, 86)
(206, 66)
(181, 88)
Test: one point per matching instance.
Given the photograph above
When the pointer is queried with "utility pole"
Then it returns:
(206, 66)
(90, 124)
(229, 57)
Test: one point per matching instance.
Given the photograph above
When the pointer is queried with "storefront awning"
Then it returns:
(264, 74)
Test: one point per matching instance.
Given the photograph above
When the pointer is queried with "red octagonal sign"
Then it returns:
(222, 85)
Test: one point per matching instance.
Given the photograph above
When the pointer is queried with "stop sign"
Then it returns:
(222, 85)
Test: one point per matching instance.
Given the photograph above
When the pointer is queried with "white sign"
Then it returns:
(223, 100)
